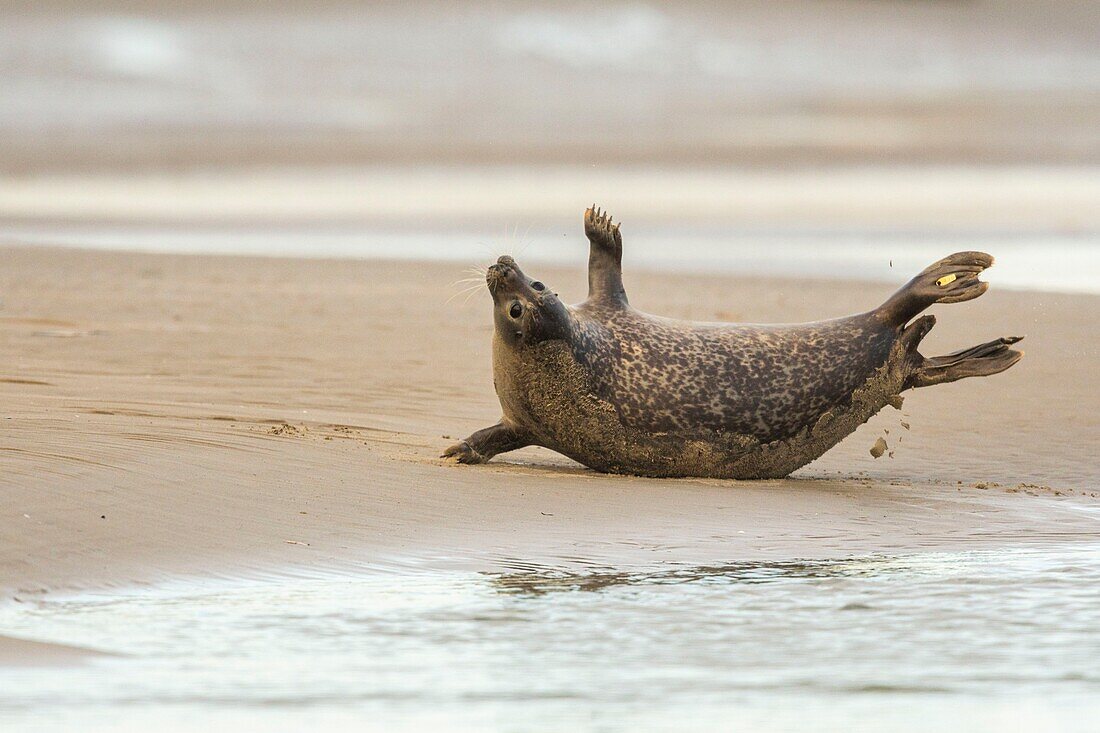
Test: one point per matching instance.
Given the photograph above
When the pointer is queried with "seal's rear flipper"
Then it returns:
(951, 280)
(977, 361)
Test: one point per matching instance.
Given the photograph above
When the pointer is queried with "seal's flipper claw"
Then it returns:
(977, 361)
(605, 257)
(486, 443)
(601, 231)
(463, 453)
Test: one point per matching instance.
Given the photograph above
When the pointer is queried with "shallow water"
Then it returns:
(971, 641)
(1025, 261)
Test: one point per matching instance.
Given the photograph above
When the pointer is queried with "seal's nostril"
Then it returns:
(538, 286)
(505, 260)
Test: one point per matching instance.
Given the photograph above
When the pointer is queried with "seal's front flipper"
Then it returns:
(977, 361)
(486, 443)
(951, 280)
(605, 256)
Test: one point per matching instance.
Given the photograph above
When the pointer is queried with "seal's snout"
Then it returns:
(506, 280)
(495, 277)
(503, 273)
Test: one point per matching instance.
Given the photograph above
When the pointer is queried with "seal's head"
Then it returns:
(525, 311)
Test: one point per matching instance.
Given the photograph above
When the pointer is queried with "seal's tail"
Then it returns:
(951, 280)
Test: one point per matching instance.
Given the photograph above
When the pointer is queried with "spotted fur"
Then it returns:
(620, 390)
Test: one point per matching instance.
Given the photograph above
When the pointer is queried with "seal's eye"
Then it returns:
(538, 286)
(516, 310)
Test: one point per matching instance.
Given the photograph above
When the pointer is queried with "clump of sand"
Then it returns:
(878, 448)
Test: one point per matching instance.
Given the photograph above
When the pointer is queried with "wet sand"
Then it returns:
(27, 653)
(230, 417)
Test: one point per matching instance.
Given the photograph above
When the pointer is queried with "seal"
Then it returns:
(622, 391)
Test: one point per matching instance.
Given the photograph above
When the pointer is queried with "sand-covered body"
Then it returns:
(623, 391)
(632, 393)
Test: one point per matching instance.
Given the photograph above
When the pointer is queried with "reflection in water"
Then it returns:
(534, 580)
(972, 641)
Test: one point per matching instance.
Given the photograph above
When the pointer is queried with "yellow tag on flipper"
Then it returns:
(947, 280)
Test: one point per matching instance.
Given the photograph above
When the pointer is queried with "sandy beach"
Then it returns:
(235, 417)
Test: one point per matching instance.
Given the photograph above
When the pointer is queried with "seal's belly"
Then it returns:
(763, 381)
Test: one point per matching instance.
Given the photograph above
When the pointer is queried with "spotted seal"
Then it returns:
(626, 392)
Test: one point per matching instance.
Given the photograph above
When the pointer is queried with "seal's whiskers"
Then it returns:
(521, 243)
(467, 291)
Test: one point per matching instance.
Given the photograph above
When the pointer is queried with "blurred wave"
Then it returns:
(153, 84)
